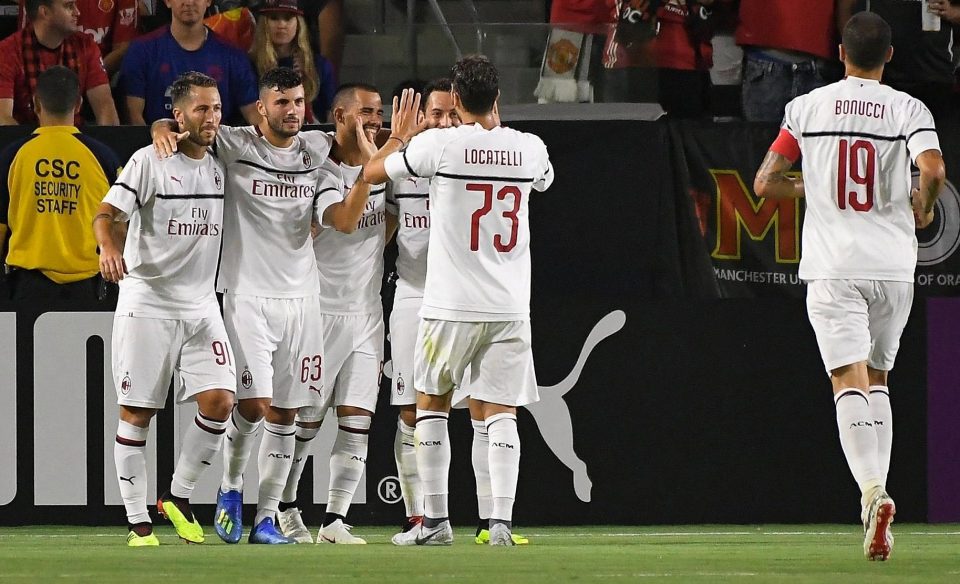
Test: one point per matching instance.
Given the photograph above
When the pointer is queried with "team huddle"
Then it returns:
(297, 222)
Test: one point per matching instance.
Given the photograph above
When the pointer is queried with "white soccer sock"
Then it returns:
(301, 450)
(276, 455)
(433, 461)
(348, 458)
(480, 455)
(405, 453)
(858, 437)
(883, 424)
(131, 462)
(201, 442)
(241, 435)
(504, 463)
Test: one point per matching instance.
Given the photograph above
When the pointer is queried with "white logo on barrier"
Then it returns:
(389, 490)
(939, 241)
(552, 414)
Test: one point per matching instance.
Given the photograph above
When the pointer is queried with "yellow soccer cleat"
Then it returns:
(483, 538)
(189, 530)
(149, 540)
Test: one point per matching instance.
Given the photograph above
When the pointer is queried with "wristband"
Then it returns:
(402, 143)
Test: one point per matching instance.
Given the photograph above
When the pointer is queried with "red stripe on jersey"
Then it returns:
(786, 145)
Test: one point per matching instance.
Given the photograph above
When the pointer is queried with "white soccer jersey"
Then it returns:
(272, 194)
(478, 258)
(409, 201)
(351, 264)
(857, 138)
(175, 209)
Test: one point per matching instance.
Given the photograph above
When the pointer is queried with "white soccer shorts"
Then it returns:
(279, 348)
(499, 355)
(148, 351)
(858, 320)
(404, 324)
(353, 363)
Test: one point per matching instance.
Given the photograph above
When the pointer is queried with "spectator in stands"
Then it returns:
(922, 63)
(51, 39)
(789, 47)
(112, 24)
(328, 14)
(55, 179)
(685, 55)
(282, 40)
(154, 61)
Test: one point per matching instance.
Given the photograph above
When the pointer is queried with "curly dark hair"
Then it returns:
(184, 83)
(281, 79)
(477, 82)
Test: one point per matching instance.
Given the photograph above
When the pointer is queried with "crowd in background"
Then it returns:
(697, 58)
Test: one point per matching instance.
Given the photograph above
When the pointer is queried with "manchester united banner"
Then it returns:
(754, 244)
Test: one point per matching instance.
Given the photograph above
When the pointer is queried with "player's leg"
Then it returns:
(276, 454)
(403, 335)
(308, 424)
(838, 312)
(502, 378)
(249, 323)
(480, 458)
(142, 368)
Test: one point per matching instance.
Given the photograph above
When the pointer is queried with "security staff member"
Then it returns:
(56, 178)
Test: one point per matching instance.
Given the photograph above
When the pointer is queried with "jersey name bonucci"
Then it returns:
(409, 201)
(858, 138)
(272, 196)
(351, 264)
(175, 209)
(478, 257)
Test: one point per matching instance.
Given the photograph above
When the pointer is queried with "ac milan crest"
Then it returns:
(401, 387)
(306, 159)
(246, 378)
(217, 179)
(126, 384)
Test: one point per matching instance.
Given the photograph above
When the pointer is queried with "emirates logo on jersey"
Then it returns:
(126, 385)
(306, 159)
(246, 378)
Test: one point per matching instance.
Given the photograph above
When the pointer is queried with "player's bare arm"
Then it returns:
(933, 174)
(165, 137)
(105, 229)
(772, 179)
(345, 215)
(405, 123)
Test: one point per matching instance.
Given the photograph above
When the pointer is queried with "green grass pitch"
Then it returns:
(725, 553)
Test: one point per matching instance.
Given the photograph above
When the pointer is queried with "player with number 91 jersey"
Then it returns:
(478, 259)
(861, 136)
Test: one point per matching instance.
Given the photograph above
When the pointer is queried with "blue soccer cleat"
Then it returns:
(267, 532)
(227, 519)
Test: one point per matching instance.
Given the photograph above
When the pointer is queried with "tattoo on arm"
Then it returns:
(772, 179)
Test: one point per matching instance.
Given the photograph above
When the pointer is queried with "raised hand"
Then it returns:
(407, 120)
(165, 141)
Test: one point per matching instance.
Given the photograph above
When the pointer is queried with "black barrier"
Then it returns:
(661, 402)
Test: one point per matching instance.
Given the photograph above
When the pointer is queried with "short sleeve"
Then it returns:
(921, 132)
(96, 75)
(125, 22)
(132, 190)
(545, 179)
(329, 189)
(230, 143)
(420, 158)
(133, 71)
(6, 161)
(790, 122)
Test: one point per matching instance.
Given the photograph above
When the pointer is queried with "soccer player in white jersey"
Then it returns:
(350, 264)
(858, 138)
(476, 305)
(278, 179)
(167, 319)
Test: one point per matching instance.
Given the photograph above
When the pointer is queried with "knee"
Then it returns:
(218, 405)
(408, 415)
(253, 410)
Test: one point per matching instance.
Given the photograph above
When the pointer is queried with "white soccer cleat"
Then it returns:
(500, 535)
(439, 535)
(338, 532)
(411, 528)
(877, 537)
(292, 526)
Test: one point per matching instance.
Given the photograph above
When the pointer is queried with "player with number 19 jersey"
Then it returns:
(861, 137)
(478, 259)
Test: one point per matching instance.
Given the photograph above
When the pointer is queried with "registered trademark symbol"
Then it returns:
(389, 490)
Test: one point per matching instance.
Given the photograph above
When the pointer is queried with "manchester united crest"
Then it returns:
(126, 385)
(246, 378)
(105, 5)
